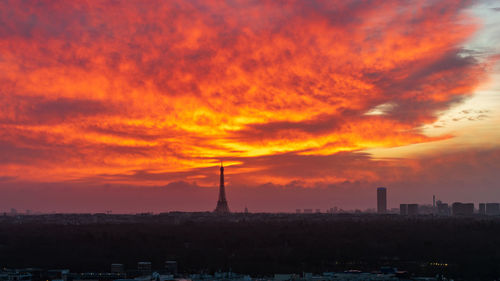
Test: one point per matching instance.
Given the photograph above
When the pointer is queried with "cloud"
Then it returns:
(29, 110)
(159, 91)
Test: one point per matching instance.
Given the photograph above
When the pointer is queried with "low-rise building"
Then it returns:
(117, 268)
(462, 209)
(412, 209)
(492, 209)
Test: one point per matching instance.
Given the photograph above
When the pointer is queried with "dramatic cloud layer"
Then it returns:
(149, 93)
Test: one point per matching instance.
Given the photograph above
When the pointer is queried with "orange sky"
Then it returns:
(296, 97)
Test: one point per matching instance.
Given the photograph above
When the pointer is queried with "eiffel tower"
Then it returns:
(222, 207)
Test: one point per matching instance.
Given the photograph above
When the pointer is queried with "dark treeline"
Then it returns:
(260, 244)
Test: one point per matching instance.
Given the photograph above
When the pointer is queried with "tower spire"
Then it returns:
(222, 207)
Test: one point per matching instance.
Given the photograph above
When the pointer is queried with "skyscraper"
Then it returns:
(222, 207)
(381, 200)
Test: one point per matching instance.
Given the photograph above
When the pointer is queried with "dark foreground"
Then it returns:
(256, 244)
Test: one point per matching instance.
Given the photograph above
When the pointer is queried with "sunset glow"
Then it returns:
(147, 97)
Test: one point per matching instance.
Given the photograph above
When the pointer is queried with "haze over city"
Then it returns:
(131, 106)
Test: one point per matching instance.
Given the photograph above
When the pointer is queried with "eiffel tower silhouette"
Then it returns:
(222, 207)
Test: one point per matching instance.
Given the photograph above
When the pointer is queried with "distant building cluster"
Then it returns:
(443, 209)
(413, 209)
(14, 212)
(492, 209)
(437, 207)
(144, 272)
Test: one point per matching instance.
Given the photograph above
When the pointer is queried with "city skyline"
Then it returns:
(130, 107)
(437, 208)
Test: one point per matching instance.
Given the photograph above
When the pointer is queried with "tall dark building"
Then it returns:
(381, 200)
(222, 207)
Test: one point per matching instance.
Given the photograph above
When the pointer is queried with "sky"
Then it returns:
(130, 106)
